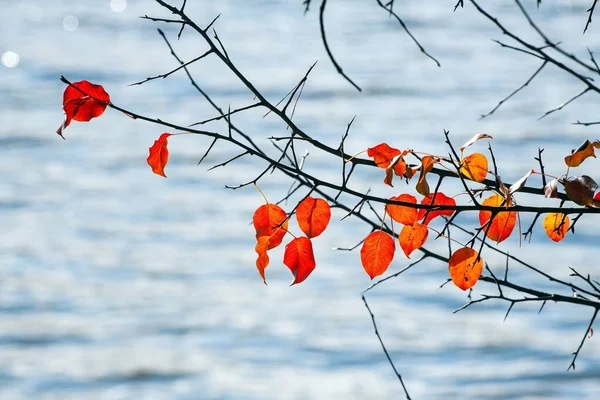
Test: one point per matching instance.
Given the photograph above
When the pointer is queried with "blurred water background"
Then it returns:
(118, 284)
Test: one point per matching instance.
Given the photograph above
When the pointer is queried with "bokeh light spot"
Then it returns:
(70, 23)
(118, 5)
(10, 59)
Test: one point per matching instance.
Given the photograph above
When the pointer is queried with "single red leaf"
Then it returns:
(503, 223)
(83, 101)
(262, 261)
(270, 220)
(377, 253)
(440, 200)
(383, 154)
(313, 216)
(412, 237)
(465, 267)
(159, 155)
(556, 226)
(402, 214)
(389, 177)
(299, 258)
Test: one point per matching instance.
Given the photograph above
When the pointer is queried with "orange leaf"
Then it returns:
(83, 101)
(270, 220)
(397, 166)
(578, 156)
(503, 223)
(389, 177)
(474, 167)
(159, 155)
(412, 237)
(377, 253)
(382, 154)
(556, 228)
(411, 171)
(440, 200)
(299, 258)
(402, 214)
(465, 267)
(263, 258)
(426, 166)
(313, 216)
(580, 189)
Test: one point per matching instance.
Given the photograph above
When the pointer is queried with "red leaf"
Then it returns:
(313, 216)
(83, 101)
(299, 258)
(412, 237)
(440, 200)
(397, 166)
(383, 154)
(377, 253)
(503, 223)
(159, 155)
(402, 214)
(465, 267)
(268, 221)
(263, 258)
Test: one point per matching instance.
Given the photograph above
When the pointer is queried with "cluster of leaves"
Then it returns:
(271, 224)
(83, 101)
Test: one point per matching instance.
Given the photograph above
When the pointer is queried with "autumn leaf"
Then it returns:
(580, 189)
(402, 214)
(383, 154)
(313, 216)
(412, 237)
(263, 258)
(397, 166)
(474, 167)
(475, 138)
(377, 253)
(411, 170)
(518, 185)
(551, 189)
(299, 258)
(83, 101)
(440, 200)
(556, 228)
(270, 220)
(584, 151)
(465, 267)
(426, 166)
(503, 223)
(159, 155)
